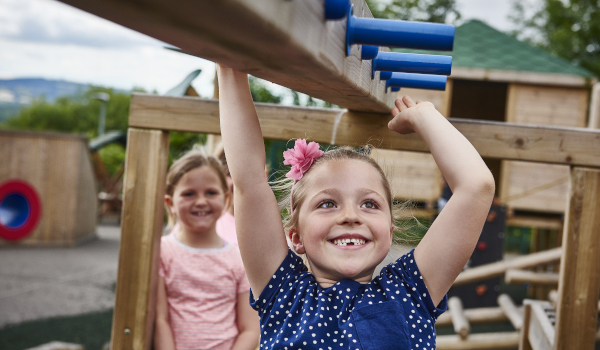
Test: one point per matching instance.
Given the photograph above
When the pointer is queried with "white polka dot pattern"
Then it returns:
(296, 313)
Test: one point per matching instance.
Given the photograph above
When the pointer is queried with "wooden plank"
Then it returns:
(141, 229)
(524, 333)
(459, 321)
(574, 146)
(541, 332)
(479, 341)
(579, 285)
(477, 315)
(498, 268)
(538, 222)
(594, 118)
(547, 105)
(511, 311)
(531, 277)
(508, 76)
(287, 42)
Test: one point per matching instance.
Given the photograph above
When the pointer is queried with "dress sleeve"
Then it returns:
(406, 270)
(287, 272)
(162, 266)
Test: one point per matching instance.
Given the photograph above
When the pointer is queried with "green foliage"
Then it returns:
(113, 157)
(437, 11)
(260, 93)
(73, 114)
(181, 142)
(567, 28)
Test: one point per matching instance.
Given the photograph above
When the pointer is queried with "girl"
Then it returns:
(202, 300)
(341, 219)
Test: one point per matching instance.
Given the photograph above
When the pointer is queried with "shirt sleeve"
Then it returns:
(290, 267)
(405, 268)
(162, 268)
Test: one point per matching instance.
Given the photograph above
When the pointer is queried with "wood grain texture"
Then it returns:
(521, 77)
(479, 341)
(287, 42)
(59, 168)
(558, 145)
(579, 285)
(141, 229)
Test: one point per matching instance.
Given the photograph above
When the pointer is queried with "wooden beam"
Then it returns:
(141, 229)
(287, 42)
(479, 341)
(511, 311)
(499, 268)
(579, 285)
(534, 78)
(575, 146)
(476, 315)
(540, 331)
(536, 278)
(459, 321)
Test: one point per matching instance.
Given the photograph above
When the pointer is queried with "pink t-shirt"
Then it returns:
(226, 228)
(202, 289)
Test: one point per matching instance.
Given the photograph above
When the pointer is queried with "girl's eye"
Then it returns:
(212, 193)
(370, 205)
(188, 194)
(326, 205)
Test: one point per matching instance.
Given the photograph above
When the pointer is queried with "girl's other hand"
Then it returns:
(405, 114)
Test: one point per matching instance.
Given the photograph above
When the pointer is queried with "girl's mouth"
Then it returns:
(342, 242)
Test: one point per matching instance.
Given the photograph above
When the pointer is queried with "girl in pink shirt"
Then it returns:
(202, 300)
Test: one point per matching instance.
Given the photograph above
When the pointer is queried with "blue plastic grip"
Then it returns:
(369, 52)
(384, 75)
(336, 9)
(395, 88)
(412, 63)
(417, 81)
(396, 33)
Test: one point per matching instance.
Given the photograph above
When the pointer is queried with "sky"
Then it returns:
(52, 40)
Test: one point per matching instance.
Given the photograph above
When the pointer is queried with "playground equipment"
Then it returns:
(290, 43)
(20, 209)
(47, 189)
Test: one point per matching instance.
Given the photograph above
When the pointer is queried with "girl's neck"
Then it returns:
(201, 240)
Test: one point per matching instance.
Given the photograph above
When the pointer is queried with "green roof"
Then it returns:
(477, 45)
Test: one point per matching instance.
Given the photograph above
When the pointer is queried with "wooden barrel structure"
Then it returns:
(56, 169)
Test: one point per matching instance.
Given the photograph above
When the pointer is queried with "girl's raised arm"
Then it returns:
(257, 218)
(450, 240)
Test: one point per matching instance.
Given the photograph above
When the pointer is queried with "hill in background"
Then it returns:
(16, 93)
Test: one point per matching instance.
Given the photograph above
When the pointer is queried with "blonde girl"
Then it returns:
(202, 300)
(341, 219)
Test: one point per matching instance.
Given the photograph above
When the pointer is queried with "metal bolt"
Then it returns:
(127, 331)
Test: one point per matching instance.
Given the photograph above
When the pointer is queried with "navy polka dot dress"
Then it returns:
(393, 311)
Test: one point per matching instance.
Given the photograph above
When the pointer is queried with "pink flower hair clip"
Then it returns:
(301, 157)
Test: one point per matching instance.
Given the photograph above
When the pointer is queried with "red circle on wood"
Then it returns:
(24, 189)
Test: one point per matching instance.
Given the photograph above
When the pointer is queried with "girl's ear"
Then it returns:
(297, 243)
(169, 202)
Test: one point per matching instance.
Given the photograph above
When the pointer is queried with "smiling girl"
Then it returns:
(202, 300)
(341, 218)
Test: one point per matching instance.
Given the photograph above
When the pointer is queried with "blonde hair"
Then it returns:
(290, 218)
(192, 160)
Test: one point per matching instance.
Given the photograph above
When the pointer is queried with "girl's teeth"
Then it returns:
(345, 241)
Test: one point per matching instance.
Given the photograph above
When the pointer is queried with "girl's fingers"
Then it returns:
(395, 111)
(400, 105)
(408, 101)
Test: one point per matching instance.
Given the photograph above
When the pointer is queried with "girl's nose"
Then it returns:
(349, 215)
(201, 200)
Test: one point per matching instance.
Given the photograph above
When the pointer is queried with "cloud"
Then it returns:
(52, 22)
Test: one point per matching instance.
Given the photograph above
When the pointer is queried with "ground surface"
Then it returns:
(37, 283)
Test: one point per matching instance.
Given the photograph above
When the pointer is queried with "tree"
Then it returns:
(437, 11)
(567, 28)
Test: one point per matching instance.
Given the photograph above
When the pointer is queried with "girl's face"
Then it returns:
(198, 200)
(344, 225)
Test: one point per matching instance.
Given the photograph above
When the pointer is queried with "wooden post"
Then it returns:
(579, 286)
(459, 321)
(141, 229)
(498, 268)
(511, 311)
(524, 334)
